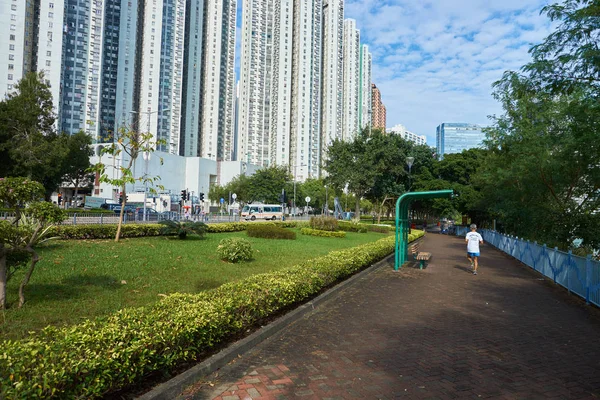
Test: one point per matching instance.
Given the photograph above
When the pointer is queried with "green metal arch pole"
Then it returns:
(402, 222)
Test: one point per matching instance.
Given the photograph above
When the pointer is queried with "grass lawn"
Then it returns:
(81, 279)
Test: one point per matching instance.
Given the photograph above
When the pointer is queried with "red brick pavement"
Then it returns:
(440, 333)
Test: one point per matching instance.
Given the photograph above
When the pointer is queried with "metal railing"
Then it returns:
(579, 275)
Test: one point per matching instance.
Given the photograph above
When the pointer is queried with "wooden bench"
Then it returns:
(420, 256)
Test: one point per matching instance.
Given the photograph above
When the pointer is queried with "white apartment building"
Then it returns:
(161, 71)
(332, 75)
(305, 133)
(255, 80)
(281, 91)
(218, 82)
(31, 40)
(401, 131)
(351, 68)
(126, 88)
(365, 91)
(189, 144)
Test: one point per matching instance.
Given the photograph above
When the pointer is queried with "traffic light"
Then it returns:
(120, 197)
(184, 195)
(59, 199)
(188, 196)
(282, 197)
(201, 196)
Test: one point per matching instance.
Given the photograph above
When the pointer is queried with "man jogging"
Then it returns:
(473, 240)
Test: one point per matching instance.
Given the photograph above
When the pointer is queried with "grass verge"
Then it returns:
(82, 279)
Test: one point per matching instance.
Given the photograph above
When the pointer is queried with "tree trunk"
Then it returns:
(381, 209)
(34, 259)
(118, 235)
(76, 190)
(3, 277)
(357, 210)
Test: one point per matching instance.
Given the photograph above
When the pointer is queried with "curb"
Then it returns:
(173, 387)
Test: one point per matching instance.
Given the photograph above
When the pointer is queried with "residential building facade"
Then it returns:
(452, 137)
(365, 93)
(332, 74)
(379, 111)
(351, 77)
(401, 131)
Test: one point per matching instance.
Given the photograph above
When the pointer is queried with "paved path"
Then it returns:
(440, 333)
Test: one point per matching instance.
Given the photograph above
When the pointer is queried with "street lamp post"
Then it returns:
(409, 162)
(146, 155)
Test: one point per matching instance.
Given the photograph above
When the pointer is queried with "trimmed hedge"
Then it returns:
(352, 227)
(108, 231)
(235, 250)
(318, 232)
(324, 223)
(104, 231)
(97, 357)
(270, 232)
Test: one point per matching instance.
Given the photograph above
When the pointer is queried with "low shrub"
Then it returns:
(270, 232)
(234, 250)
(318, 232)
(104, 231)
(324, 223)
(98, 357)
(348, 226)
(381, 229)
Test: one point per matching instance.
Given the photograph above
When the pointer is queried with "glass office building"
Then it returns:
(455, 137)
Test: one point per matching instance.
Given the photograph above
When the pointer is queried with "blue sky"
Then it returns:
(435, 60)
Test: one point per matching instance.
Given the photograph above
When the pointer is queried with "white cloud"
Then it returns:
(435, 61)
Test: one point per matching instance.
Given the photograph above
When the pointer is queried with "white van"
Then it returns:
(262, 211)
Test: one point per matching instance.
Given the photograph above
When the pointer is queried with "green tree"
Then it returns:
(130, 143)
(266, 184)
(77, 161)
(28, 139)
(568, 57)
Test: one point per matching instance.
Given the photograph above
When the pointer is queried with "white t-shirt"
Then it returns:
(473, 239)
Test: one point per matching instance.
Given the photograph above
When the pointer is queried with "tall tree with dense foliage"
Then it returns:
(29, 143)
(77, 161)
(543, 174)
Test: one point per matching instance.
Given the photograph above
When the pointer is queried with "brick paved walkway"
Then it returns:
(440, 333)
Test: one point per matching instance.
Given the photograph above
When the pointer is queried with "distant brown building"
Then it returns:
(378, 109)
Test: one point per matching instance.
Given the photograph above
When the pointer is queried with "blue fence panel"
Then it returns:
(594, 281)
(561, 267)
(579, 275)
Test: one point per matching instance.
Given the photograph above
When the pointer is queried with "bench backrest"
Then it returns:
(414, 248)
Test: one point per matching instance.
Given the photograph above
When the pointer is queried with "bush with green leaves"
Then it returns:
(321, 233)
(235, 250)
(104, 231)
(270, 232)
(324, 223)
(98, 357)
(352, 226)
(183, 228)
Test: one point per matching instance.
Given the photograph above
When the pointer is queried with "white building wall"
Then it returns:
(351, 80)
(365, 97)
(255, 80)
(49, 46)
(332, 83)
(306, 88)
(93, 66)
(226, 141)
(126, 68)
(150, 67)
(12, 43)
(281, 92)
(190, 129)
